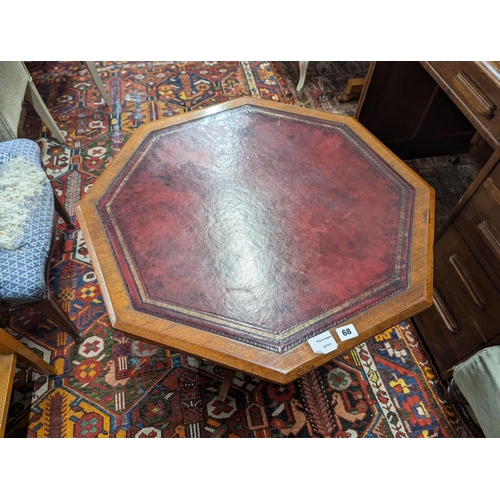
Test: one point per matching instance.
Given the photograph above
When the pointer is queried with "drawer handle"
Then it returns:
(492, 189)
(474, 95)
(488, 233)
(467, 281)
(443, 312)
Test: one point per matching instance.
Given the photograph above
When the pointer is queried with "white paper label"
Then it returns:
(346, 332)
(323, 343)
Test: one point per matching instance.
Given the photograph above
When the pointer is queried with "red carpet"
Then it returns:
(114, 387)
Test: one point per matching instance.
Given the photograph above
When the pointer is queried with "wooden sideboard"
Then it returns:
(421, 109)
(465, 315)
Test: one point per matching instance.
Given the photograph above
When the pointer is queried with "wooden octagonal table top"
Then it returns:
(240, 232)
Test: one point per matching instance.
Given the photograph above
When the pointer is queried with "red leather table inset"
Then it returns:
(260, 224)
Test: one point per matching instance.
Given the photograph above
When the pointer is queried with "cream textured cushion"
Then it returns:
(20, 183)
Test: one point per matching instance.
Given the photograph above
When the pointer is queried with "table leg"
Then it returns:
(226, 383)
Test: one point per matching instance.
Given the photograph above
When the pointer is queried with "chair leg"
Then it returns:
(352, 90)
(37, 102)
(10, 345)
(53, 311)
(302, 76)
(455, 394)
(61, 210)
(98, 81)
(7, 370)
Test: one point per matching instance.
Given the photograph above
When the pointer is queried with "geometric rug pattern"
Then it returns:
(112, 386)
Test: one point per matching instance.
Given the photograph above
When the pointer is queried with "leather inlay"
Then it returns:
(259, 225)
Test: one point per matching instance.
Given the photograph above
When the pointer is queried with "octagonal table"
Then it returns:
(239, 232)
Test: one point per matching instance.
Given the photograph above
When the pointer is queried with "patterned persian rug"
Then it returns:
(115, 387)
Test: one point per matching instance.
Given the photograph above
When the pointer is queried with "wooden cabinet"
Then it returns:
(432, 108)
(465, 315)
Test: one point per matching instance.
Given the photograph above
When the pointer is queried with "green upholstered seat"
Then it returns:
(478, 379)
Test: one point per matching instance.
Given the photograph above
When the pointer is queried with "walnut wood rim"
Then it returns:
(279, 368)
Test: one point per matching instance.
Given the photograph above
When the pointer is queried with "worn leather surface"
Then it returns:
(264, 226)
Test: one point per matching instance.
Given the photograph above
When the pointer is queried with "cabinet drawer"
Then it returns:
(465, 286)
(479, 225)
(474, 86)
(465, 313)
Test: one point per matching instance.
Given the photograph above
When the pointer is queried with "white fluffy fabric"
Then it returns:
(20, 180)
